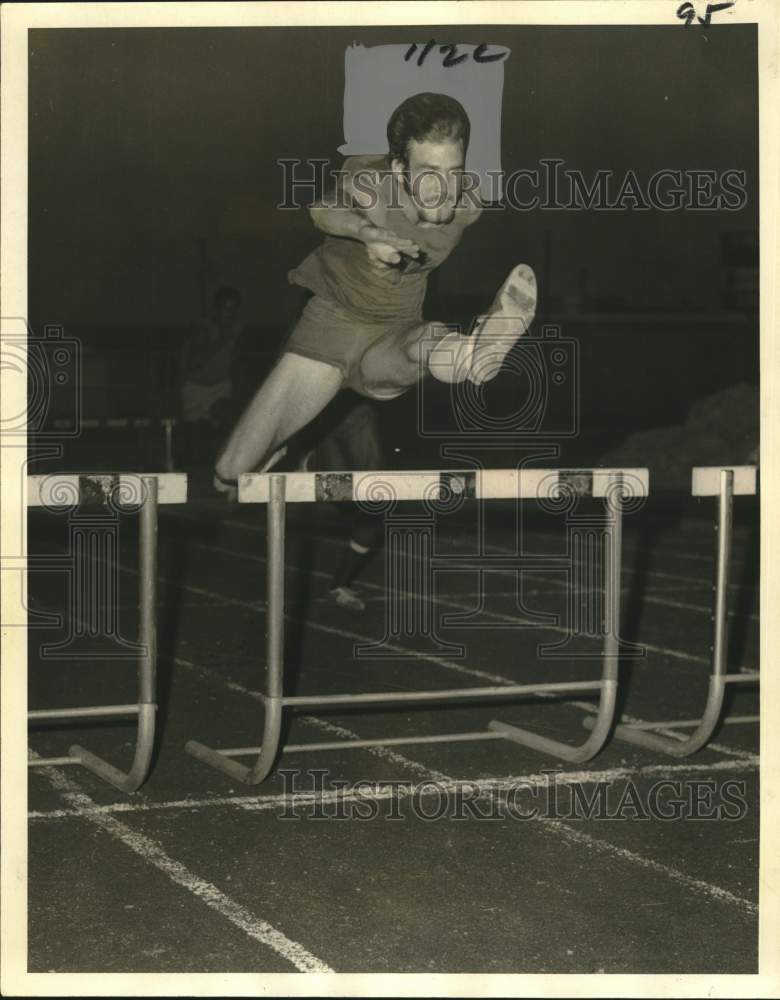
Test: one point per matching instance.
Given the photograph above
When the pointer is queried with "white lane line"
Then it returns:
(687, 581)
(587, 707)
(628, 545)
(329, 540)
(598, 846)
(437, 660)
(496, 616)
(295, 952)
(648, 598)
(582, 839)
(737, 559)
(699, 886)
(381, 790)
(403, 650)
(712, 891)
(591, 843)
(384, 752)
(553, 591)
(677, 654)
(666, 602)
(153, 853)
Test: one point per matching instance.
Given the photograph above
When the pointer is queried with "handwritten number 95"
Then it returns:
(480, 54)
(686, 12)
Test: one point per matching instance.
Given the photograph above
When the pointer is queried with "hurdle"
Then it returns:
(725, 483)
(276, 490)
(146, 491)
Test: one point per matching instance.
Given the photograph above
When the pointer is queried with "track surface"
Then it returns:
(195, 874)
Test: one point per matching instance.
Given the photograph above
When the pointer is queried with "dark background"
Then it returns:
(146, 142)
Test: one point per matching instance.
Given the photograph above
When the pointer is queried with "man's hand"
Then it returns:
(384, 248)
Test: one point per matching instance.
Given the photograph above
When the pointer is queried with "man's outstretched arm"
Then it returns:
(360, 214)
(350, 206)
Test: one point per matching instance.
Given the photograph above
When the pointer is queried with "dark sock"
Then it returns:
(350, 564)
(361, 546)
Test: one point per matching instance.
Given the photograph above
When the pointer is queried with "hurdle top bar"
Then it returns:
(62, 490)
(705, 480)
(477, 484)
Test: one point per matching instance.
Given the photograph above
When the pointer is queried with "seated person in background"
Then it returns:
(205, 386)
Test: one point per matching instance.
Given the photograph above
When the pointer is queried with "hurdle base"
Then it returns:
(564, 751)
(703, 728)
(661, 741)
(215, 759)
(125, 781)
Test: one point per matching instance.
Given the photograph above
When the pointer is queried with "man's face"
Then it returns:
(433, 178)
(226, 312)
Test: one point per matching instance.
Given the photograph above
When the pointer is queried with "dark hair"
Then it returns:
(226, 294)
(426, 116)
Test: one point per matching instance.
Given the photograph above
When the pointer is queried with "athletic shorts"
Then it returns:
(328, 332)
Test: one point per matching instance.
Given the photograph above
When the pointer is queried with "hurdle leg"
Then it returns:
(679, 746)
(608, 686)
(274, 645)
(131, 780)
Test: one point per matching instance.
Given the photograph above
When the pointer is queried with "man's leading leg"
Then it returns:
(479, 356)
(294, 392)
(408, 355)
(397, 361)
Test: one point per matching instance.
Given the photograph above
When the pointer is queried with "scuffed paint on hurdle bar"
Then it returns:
(61, 490)
(705, 480)
(479, 484)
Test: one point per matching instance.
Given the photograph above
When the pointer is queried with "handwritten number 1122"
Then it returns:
(480, 54)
